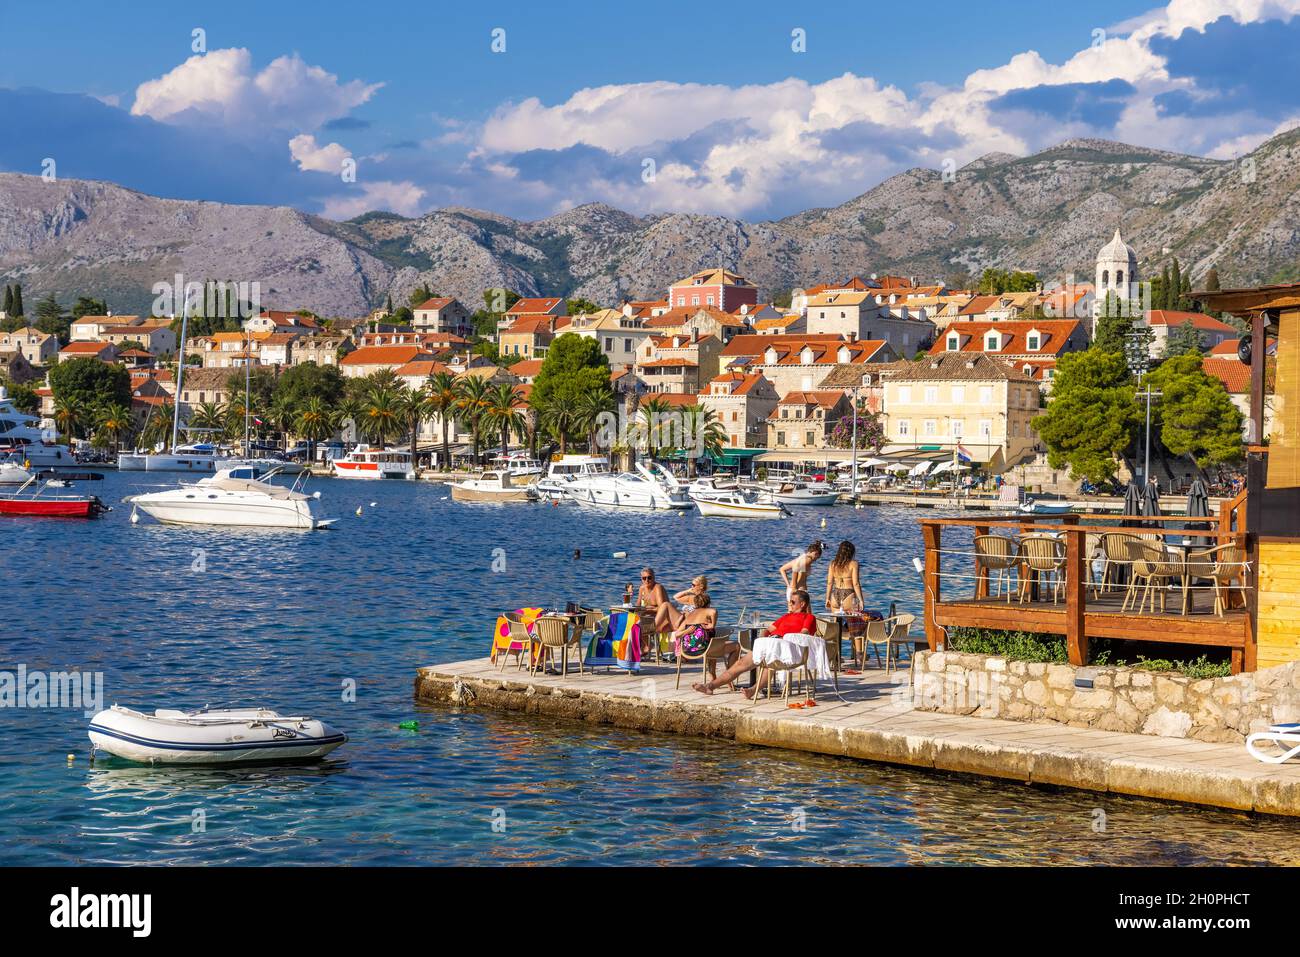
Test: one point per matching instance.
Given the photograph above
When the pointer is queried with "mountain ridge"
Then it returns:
(1049, 212)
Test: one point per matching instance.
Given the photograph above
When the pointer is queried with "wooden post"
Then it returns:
(1249, 658)
(981, 578)
(1076, 641)
(932, 536)
(1258, 361)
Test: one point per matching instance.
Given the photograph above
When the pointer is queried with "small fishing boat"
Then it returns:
(737, 504)
(34, 502)
(363, 462)
(491, 487)
(1033, 507)
(803, 493)
(217, 736)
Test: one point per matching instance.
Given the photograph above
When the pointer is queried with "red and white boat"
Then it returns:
(34, 502)
(366, 463)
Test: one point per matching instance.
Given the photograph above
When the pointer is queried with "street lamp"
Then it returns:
(1137, 353)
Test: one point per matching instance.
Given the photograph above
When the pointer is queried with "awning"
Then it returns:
(920, 468)
(811, 456)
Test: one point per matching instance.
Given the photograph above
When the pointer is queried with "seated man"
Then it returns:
(797, 620)
(651, 594)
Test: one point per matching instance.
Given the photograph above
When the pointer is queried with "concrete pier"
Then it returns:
(872, 719)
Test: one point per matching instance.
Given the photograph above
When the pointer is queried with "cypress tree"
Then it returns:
(1175, 295)
(1162, 298)
(18, 299)
(9, 300)
(1212, 279)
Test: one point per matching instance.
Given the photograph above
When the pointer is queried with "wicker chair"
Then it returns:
(877, 634)
(797, 671)
(834, 650)
(1225, 565)
(556, 632)
(1154, 569)
(518, 633)
(1042, 555)
(995, 554)
(900, 634)
(715, 651)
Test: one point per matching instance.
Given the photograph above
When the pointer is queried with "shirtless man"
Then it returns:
(651, 594)
(794, 573)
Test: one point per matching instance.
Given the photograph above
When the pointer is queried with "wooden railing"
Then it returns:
(1075, 617)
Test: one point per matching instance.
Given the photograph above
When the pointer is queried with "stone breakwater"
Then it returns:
(1119, 699)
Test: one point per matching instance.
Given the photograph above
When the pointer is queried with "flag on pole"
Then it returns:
(962, 453)
(256, 420)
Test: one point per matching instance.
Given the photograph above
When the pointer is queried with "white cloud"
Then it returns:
(322, 159)
(402, 198)
(222, 86)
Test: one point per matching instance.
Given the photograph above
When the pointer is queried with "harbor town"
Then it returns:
(413, 455)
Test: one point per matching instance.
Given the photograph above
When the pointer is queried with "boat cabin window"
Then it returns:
(244, 473)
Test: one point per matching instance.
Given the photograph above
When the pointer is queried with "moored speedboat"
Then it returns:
(28, 445)
(628, 490)
(737, 504)
(237, 496)
(565, 469)
(1033, 507)
(801, 493)
(30, 501)
(211, 736)
(491, 487)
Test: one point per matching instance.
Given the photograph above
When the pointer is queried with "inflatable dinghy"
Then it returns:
(226, 736)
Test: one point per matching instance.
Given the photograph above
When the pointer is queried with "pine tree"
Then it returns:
(18, 299)
(1173, 298)
(1212, 279)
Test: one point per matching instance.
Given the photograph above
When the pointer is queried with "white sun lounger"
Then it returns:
(1283, 741)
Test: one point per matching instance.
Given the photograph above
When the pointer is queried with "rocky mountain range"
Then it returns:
(1049, 212)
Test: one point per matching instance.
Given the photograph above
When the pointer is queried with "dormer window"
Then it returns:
(1033, 340)
(844, 355)
(806, 356)
(993, 342)
(954, 343)
(770, 356)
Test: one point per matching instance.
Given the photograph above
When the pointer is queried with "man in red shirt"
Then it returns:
(797, 620)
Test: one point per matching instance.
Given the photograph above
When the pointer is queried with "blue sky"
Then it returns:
(650, 107)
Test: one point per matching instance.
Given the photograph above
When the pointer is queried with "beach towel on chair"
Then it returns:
(619, 645)
(501, 636)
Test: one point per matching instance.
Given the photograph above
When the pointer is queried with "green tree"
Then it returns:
(314, 422)
(381, 416)
(207, 415)
(1174, 291)
(652, 421)
(158, 426)
(420, 294)
(1195, 414)
(50, 319)
(503, 414)
(574, 365)
(71, 414)
(444, 400)
(472, 403)
(413, 407)
(591, 405)
(18, 300)
(1160, 298)
(1092, 419)
(703, 434)
(559, 415)
(1212, 279)
(998, 281)
(307, 381)
(8, 306)
(91, 382)
(579, 306)
(113, 424)
(88, 306)
(1113, 325)
(1182, 340)
(24, 397)
(496, 302)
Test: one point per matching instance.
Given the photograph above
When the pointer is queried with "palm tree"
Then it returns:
(591, 406)
(443, 399)
(414, 409)
(70, 415)
(206, 415)
(503, 415)
(473, 403)
(232, 416)
(350, 409)
(282, 416)
(652, 414)
(314, 422)
(158, 427)
(381, 415)
(560, 415)
(114, 422)
(700, 427)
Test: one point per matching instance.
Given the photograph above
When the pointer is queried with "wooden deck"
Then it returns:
(873, 719)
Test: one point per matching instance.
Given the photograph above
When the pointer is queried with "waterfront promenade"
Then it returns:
(872, 719)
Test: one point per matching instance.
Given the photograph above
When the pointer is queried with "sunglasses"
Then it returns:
(647, 578)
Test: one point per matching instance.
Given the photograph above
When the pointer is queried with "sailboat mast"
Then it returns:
(248, 375)
(180, 373)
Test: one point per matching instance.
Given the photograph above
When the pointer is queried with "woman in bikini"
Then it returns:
(667, 615)
(695, 632)
(843, 590)
(794, 573)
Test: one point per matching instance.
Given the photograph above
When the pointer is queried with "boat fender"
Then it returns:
(135, 517)
(71, 758)
(619, 555)
(823, 523)
(374, 505)
(409, 725)
(315, 495)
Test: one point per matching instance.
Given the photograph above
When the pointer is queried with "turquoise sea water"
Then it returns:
(179, 617)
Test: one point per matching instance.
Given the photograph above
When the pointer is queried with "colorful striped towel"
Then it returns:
(501, 636)
(619, 645)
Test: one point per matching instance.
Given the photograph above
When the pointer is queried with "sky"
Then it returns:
(755, 110)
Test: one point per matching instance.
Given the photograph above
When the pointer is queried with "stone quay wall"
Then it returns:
(1120, 699)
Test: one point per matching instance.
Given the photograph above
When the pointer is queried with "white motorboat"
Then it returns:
(711, 486)
(640, 490)
(565, 469)
(518, 465)
(12, 473)
(211, 736)
(27, 445)
(363, 462)
(491, 487)
(804, 493)
(238, 496)
(738, 504)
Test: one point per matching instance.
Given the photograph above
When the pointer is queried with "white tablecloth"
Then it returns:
(788, 651)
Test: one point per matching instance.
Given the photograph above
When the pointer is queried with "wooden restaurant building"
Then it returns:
(1230, 580)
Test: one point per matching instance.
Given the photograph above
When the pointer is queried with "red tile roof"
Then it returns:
(680, 315)
(827, 400)
(1228, 347)
(437, 302)
(1233, 373)
(1055, 334)
(533, 305)
(670, 363)
(85, 348)
(676, 398)
(752, 344)
(1199, 320)
(383, 355)
(978, 306)
(421, 367)
(526, 368)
